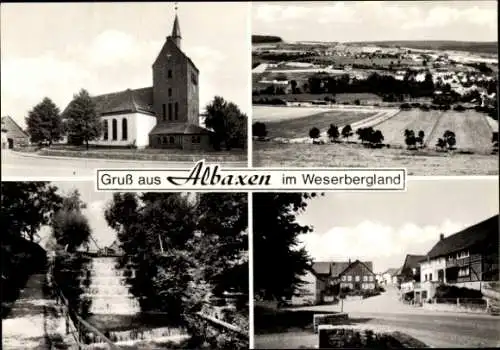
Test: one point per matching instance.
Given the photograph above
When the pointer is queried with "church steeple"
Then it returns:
(176, 30)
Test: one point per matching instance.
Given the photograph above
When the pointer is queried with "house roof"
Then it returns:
(336, 268)
(179, 129)
(13, 129)
(482, 232)
(368, 265)
(391, 271)
(412, 261)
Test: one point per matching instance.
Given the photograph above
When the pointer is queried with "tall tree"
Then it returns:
(83, 123)
(228, 122)
(70, 226)
(279, 262)
(27, 206)
(44, 122)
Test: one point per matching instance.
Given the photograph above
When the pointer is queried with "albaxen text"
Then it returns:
(206, 175)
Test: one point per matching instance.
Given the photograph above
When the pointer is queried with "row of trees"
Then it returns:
(81, 122)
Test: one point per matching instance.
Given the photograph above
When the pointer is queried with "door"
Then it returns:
(11, 143)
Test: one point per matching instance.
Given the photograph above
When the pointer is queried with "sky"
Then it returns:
(54, 50)
(339, 21)
(383, 227)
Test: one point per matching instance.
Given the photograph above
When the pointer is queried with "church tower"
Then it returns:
(176, 30)
(175, 91)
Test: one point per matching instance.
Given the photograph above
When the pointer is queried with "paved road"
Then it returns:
(433, 328)
(33, 167)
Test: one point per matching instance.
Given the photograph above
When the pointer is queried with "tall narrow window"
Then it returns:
(170, 73)
(164, 112)
(172, 140)
(176, 111)
(105, 131)
(124, 129)
(115, 129)
(169, 92)
(169, 111)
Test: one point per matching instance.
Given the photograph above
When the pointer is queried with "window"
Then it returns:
(463, 255)
(159, 139)
(370, 278)
(365, 278)
(363, 286)
(430, 277)
(425, 277)
(194, 79)
(176, 111)
(114, 130)
(169, 111)
(357, 278)
(195, 139)
(169, 92)
(343, 278)
(169, 74)
(349, 278)
(124, 129)
(463, 271)
(171, 140)
(164, 112)
(164, 139)
(105, 127)
(414, 270)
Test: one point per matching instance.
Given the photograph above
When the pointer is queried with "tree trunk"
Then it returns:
(87, 143)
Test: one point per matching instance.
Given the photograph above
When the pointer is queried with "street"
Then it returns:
(16, 166)
(433, 328)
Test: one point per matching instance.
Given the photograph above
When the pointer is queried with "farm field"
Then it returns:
(340, 98)
(416, 120)
(470, 127)
(273, 114)
(429, 163)
(300, 126)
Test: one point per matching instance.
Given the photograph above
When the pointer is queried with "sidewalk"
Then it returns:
(34, 321)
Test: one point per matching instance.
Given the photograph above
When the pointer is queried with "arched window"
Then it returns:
(172, 140)
(124, 129)
(114, 126)
(164, 139)
(105, 131)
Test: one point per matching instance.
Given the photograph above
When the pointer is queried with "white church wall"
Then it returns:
(138, 127)
(145, 123)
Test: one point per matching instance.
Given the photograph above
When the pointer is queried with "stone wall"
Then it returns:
(471, 308)
(359, 336)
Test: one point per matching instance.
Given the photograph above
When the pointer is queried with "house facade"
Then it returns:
(465, 259)
(358, 276)
(165, 115)
(12, 134)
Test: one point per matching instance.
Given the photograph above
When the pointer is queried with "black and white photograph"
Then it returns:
(379, 270)
(102, 270)
(125, 85)
(408, 84)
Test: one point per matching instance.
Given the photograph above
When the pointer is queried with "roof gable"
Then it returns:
(170, 46)
(13, 129)
(412, 261)
(367, 264)
(486, 230)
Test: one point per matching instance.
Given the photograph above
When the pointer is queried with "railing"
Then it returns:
(85, 332)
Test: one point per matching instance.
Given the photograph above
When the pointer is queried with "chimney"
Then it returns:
(441, 236)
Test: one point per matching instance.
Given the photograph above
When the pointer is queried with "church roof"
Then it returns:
(179, 129)
(172, 44)
(128, 101)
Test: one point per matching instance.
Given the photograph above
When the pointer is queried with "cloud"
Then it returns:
(275, 13)
(373, 240)
(207, 60)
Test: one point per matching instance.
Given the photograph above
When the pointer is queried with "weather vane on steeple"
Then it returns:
(175, 6)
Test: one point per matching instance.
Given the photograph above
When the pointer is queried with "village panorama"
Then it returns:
(430, 106)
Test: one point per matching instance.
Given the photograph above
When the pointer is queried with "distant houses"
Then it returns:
(327, 279)
(390, 276)
(465, 259)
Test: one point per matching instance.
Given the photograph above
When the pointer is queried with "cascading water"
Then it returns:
(108, 290)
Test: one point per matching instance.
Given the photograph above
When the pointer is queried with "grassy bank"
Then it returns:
(236, 155)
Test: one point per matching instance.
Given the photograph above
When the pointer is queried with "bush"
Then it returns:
(259, 129)
(452, 292)
(459, 108)
(405, 106)
(314, 133)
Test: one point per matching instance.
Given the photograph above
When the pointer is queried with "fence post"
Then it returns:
(458, 301)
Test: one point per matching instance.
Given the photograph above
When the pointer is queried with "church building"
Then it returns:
(165, 115)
